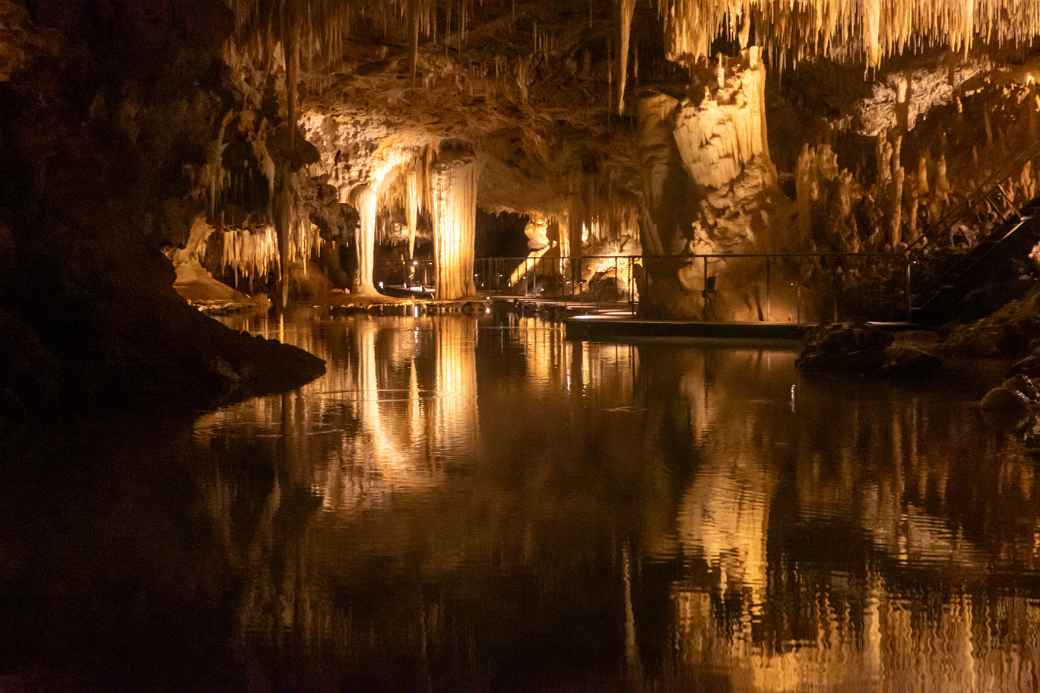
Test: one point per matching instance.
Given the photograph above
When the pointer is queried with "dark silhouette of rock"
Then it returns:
(862, 349)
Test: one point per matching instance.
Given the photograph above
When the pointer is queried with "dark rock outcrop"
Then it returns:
(862, 350)
(1008, 333)
(97, 138)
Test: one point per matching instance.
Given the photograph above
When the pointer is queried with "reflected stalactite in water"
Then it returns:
(894, 480)
(456, 412)
(754, 548)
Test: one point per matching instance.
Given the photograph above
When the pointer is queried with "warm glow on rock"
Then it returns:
(454, 227)
(868, 31)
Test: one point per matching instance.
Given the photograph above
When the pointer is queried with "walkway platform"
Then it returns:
(391, 305)
(607, 326)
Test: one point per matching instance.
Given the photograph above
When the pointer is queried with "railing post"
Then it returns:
(617, 276)
(631, 285)
(835, 300)
(581, 273)
(909, 292)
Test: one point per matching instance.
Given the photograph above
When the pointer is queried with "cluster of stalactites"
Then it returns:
(598, 212)
(253, 255)
(409, 190)
(322, 27)
(250, 255)
(846, 30)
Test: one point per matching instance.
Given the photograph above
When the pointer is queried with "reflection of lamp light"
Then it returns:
(380, 285)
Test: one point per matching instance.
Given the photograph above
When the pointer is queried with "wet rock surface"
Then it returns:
(1016, 401)
(1010, 332)
(863, 350)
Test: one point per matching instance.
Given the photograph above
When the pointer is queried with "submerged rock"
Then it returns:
(1017, 394)
(844, 347)
(1004, 399)
(861, 349)
(907, 361)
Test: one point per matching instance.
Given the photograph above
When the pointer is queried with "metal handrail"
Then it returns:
(489, 271)
(989, 186)
(687, 256)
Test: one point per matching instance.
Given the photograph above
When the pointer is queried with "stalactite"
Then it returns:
(868, 31)
(248, 254)
(412, 207)
(291, 47)
(413, 38)
(454, 227)
(284, 218)
(626, 10)
(213, 177)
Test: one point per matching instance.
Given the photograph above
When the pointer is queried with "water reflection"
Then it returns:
(482, 505)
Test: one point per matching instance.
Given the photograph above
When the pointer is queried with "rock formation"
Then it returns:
(311, 136)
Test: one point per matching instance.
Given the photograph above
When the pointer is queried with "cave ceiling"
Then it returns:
(531, 85)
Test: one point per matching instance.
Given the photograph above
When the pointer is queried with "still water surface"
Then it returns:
(466, 504)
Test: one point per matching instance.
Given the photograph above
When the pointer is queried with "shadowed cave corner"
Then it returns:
(105, 112)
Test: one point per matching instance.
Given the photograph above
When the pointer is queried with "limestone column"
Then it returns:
(368, 207)
(454, 226)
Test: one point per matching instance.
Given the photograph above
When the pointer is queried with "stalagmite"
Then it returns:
(922, 175)
(942, 182)
(805, 180)
(454, 226)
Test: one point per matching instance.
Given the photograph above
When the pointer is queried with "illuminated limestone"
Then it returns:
(251, 255)
(658, 162)
(723, 145)
(867, 31)
(368, 207)
(626, 9)
(719, 136)
(913, 94)
(454, 225)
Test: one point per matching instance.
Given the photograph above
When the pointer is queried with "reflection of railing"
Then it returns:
(773, 287)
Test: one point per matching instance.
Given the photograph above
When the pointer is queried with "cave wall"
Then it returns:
(102, 135)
